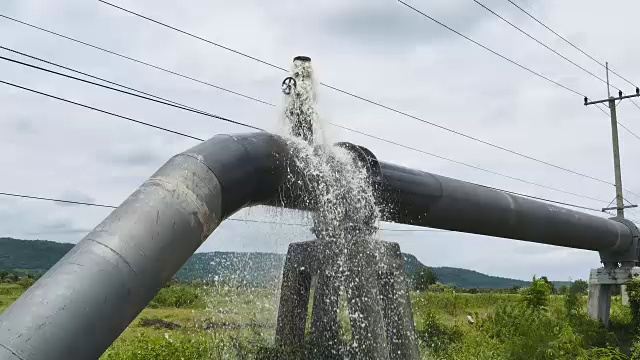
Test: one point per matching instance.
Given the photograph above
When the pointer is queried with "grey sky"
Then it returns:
(378, 49)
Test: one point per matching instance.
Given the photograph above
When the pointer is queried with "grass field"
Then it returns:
(188, 322)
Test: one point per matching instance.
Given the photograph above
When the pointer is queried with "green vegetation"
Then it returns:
(34, 256)
(177, 296)
(196, 321)
(423, 278)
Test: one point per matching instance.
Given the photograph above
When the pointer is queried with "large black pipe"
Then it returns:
(81, 305)
(423, 199)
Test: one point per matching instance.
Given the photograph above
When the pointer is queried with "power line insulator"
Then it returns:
(637, 91)
(619, 93)
(585, 100)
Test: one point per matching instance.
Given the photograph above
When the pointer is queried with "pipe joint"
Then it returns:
(626, 256)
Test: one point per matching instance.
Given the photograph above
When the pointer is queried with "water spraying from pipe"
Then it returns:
(336, 187)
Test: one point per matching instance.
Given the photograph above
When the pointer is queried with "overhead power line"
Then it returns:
(569, 42)
(165, 101)
(172, 104)
(393, 109)
(195, 138)
(343, 91)
(468, 165)
(560, 55)
(56, 200)
(100, 110)
(97, 77)
(577, 48)
(134, 60)
(490, 50)
(93, 204)
(539, 42)
(196, 36)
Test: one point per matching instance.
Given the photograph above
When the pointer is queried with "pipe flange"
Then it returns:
(364, 157)
(631, 257)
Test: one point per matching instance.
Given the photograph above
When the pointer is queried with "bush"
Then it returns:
(177, 296)
(573, 299)
(633, 290)
(435, 335)
(527, 334)
(536, 296)
(26, 282)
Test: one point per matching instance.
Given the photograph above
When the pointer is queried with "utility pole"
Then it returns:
(620, 206)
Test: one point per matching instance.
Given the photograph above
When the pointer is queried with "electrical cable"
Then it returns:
(466, 164)
(395, 110)
(93, 204)
(195, 36)
(133, 59)
(577, 48)
(333, 124)
(165, 101)
(93, 76)
(100, 110)
(172, 104)
(569, 42)
(538, 41)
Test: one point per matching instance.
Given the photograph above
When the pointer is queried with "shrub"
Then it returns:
(26, 282)
(536, 296)
(608, 353)
(573, 299)
(176, 295)
(527, 334)
(435, 335)
(633, 290)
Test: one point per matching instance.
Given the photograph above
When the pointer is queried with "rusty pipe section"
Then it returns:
(81, 305)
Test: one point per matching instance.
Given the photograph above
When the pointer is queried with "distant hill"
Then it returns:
(33, 255)
(38, 256)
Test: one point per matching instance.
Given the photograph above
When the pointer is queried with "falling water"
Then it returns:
(336, 188)
(336, 185)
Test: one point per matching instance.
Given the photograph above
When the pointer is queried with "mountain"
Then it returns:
(33, 255)
(464, 278)
(38, 256)
(252, 268)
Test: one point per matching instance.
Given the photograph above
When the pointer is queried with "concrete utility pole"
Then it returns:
(602, 280)
(620, 206)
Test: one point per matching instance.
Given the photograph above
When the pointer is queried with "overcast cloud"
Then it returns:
(378, 49)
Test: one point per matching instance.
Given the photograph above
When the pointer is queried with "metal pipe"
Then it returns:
(81, 305)
(423, 199)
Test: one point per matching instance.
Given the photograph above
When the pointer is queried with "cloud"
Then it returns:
(133, 156)
(377, 49)
(392, 26)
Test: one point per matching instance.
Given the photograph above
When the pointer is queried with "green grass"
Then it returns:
(9, 293)
(225, 323)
